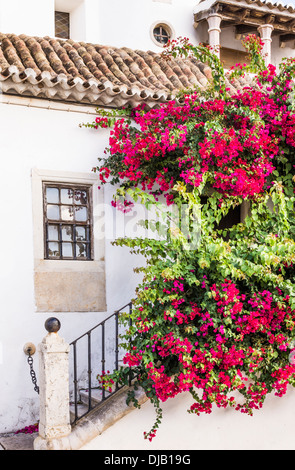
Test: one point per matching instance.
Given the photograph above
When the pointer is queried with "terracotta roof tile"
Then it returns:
(282, 6)
(94, 74)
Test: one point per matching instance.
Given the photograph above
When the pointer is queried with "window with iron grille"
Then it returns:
(162, 34)
(62, 25)
(67, 222)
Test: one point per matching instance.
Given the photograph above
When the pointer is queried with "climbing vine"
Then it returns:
(214, 314)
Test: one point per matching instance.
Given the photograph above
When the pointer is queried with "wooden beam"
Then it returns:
(248, 17)
(269, 19)
(291, 24)
(287, 37)
(244, 29)
(245, 14)
(284, 38)
(249, 20)
(203, 15)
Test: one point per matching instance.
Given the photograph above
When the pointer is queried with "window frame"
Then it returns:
(163, 33)
(98, 246)
(88, 224)
(161, 24)
(64, 285)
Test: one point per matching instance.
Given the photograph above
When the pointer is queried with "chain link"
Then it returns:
(32, 373)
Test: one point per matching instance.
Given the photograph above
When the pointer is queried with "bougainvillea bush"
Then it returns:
(212, 317)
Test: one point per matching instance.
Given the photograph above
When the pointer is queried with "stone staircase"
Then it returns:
(89, 417)
(83, 402)
(102, 416)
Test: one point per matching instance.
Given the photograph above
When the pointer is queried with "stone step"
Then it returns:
(81, 410)
(96, 396)
(83, 403)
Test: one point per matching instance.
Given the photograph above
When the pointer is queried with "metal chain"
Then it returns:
(32, 373)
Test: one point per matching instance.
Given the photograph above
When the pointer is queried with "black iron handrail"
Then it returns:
(90, 349)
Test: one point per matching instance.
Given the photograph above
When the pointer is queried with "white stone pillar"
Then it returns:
(214, 31)
(54, 419)
(265, 31)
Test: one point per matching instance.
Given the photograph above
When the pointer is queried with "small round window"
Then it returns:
(161, 34)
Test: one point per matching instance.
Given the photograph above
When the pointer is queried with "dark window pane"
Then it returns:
(81, 214)
(80, 197)
(53, 232)
(52, 195)
(52, 212)
(232, 218)
(66, 196)
(66, 212)
(62, 25)
(67, 233)
(67, 250)
(53, 249)
(81, 250)
(80, 233)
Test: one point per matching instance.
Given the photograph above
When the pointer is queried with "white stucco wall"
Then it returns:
(114, 22)
(48, 140)
(271, 428)
(129, 23)
(28, 17)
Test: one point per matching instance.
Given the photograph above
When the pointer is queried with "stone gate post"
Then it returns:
(54, 423)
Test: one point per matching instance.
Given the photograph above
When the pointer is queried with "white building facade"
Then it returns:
(58, 269)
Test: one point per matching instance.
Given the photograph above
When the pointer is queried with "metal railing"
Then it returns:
(100, 344)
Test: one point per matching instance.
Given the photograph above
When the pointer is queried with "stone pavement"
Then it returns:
(19, 441)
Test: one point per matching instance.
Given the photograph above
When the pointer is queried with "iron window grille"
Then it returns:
(67, 222)
(161, 34)
(62, 25)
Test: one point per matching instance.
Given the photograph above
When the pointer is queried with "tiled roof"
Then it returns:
(280, 5)
(65, 70)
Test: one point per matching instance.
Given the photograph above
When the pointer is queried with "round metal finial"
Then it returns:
(52, 325)
(29, 349)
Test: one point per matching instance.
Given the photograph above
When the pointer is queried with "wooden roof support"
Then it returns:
(284, 38)
(239, 15)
